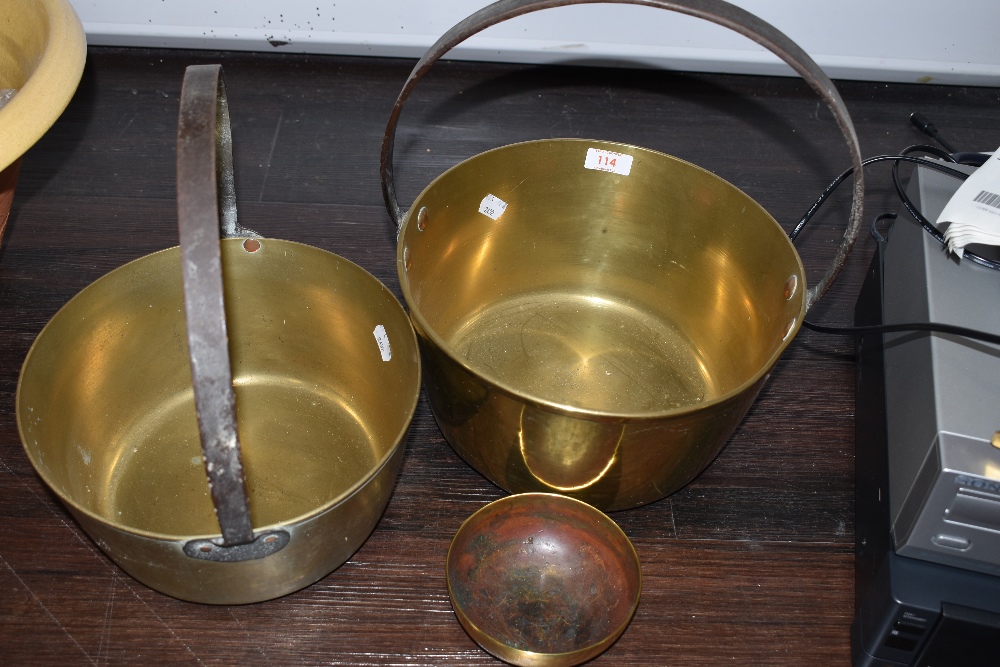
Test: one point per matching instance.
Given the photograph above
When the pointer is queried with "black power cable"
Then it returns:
(918, 216)
(931, 229)
(929, 129)
(878, 158)
(909, 326)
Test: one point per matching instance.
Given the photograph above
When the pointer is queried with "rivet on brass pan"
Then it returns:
(790, 285)
(251, 245)
(407, 260)
(422, 218)
(788, 328)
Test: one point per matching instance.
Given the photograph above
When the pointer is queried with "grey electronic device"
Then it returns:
(942, 394)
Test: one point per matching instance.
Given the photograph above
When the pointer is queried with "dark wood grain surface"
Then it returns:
(752, 563)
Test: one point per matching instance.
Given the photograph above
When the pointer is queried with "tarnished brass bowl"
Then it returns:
(543, 580)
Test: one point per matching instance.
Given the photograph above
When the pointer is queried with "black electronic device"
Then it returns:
(939, 605)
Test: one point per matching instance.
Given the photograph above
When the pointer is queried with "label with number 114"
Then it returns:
(602, 160)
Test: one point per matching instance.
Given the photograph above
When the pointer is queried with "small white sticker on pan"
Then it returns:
(382, 338)
(492, 206)
(602, 160)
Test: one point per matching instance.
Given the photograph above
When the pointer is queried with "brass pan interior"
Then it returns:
(105, 404)
(599, 294)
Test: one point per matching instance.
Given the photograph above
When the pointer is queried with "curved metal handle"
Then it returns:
(716, 11)
(204, 187)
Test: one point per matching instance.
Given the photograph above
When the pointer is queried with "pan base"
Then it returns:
(301, 449)
(584, 351)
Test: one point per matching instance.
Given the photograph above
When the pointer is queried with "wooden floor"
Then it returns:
(752, 563)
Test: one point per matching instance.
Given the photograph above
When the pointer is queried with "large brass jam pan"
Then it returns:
(326, 375)
(596, 318)
(606, 334)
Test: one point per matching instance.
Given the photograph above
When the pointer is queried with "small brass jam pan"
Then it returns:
(543, 580)
(596, 318)
(325, 368)
(106, 413)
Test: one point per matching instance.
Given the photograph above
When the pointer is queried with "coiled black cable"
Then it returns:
(904, 156)
(924, 222)
(878, 158)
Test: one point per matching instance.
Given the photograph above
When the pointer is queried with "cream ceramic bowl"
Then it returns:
(42, 52)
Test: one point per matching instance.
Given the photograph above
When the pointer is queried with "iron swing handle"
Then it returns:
(206, 192)
(715, 11)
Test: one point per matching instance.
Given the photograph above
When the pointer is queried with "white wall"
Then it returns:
(883, 40)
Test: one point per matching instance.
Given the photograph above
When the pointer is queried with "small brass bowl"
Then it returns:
(543, 579)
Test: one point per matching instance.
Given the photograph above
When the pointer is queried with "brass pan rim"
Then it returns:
(561, 408)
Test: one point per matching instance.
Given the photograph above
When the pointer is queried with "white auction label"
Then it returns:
(602, 160)
(492, 206)
(382, 338)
